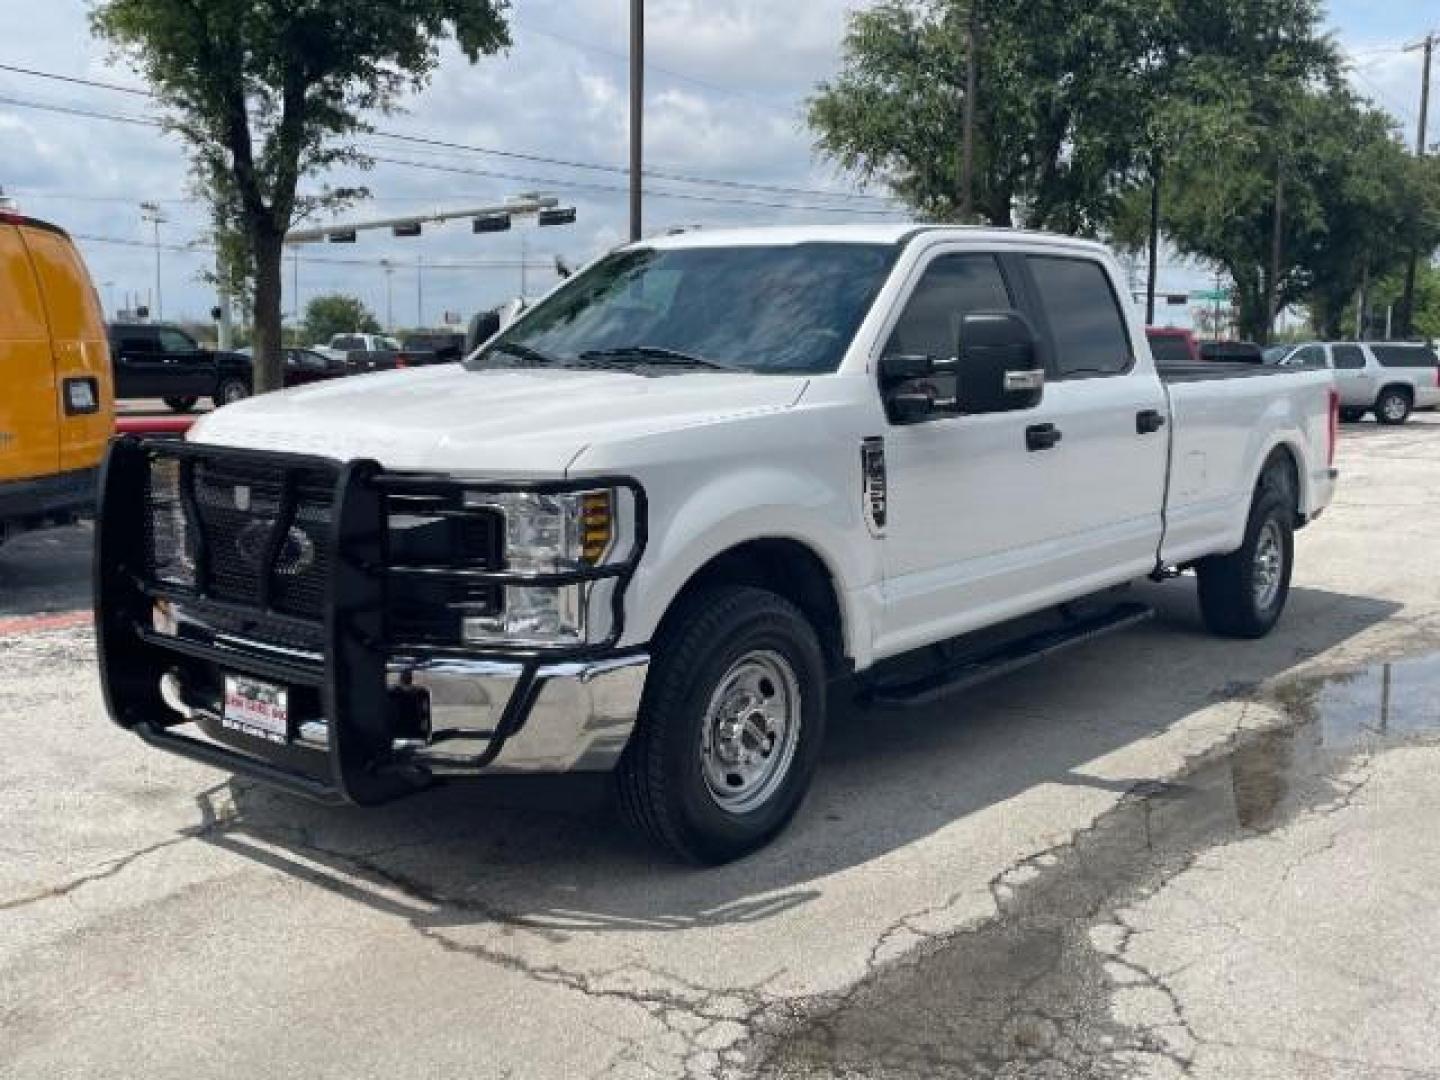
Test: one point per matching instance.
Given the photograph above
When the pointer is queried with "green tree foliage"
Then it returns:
(336, 313)
(267, 92)
(1076, 104)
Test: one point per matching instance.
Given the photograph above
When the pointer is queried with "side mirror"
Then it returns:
(907, 399)
(999, 369)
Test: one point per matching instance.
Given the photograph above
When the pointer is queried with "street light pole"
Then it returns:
(151, 213)
(637, 114)
(389, 269)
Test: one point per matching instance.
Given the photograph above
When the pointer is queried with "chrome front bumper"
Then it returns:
(579, 720)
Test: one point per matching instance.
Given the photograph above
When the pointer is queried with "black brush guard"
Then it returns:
(347, 676)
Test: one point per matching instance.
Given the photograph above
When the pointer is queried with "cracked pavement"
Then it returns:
(1160, 855)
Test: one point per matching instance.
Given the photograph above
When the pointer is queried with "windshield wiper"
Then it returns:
(525, 352)
(653, 354)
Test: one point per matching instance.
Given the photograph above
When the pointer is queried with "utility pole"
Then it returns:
(637, 115)
(420, 293)
(389, 269)
(967, 139)
(152, 214)
(1407, 299)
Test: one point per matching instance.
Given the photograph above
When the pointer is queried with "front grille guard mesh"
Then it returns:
(331, 595)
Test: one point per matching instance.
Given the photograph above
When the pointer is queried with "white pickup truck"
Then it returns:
(707, 484)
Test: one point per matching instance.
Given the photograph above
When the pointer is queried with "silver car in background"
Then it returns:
(1389, 378)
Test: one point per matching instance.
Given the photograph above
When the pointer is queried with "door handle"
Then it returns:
(1149, 421)
(1041, 437)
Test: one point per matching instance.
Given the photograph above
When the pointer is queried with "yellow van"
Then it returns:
(57, 400)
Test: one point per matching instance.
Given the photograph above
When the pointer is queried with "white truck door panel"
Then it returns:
(983, 528)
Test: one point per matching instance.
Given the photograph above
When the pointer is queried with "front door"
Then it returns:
(188, 370)
(989, 518)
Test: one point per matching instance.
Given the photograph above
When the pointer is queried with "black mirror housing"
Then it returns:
(999, 369)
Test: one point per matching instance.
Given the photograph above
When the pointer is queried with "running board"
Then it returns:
(1004, 659)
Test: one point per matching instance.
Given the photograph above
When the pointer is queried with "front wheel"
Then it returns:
(230, 391)
(1392, 407)
(1242, 594)
(730, 727)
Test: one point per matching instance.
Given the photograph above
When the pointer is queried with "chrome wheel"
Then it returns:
(1269, 564)
(750, 732)
(1394, 407)
(232, 392)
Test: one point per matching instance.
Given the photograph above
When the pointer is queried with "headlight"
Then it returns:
(553, 533)
(550, 534)
(168, 542)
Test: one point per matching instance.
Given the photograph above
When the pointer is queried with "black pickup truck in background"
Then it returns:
(153, 360)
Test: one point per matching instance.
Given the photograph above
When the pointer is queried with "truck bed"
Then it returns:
(1215, 370)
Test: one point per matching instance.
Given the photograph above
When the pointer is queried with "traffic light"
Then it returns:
(406, 228)
(341, 236)
(491, 223)
(558, 216)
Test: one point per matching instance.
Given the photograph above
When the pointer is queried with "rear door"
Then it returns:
(84, 401)
(29, 428)
(1354, 379)
(137, 361)
(1110, 409)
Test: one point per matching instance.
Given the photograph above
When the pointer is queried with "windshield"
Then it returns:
(790, 309)
(1276, 353)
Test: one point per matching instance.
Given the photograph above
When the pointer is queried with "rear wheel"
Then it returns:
(230, 391)
(1242, 594)
(181, 404)
(730, 728)
(1392, 406)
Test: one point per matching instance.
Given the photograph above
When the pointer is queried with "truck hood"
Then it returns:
(495, 423)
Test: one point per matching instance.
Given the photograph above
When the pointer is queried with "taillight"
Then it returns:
(1334, 426)
(401, 361)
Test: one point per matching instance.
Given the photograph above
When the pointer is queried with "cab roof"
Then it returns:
(893, 234)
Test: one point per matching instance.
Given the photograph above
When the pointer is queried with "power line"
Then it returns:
(202, 248)
(493, 174)
(649, 193)
(516, 155)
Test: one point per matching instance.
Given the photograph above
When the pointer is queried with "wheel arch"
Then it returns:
(790, 568)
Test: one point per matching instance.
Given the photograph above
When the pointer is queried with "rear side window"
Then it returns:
(1085, 317)
(953, 287)
(1348, 357)
(21, 316)
(1421, 356)
(1170, 350)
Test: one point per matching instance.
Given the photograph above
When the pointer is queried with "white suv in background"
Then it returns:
(1388, 378)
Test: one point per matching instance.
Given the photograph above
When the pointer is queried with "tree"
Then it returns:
(268, 92)
(1052, 108)
(336, 313)
(1351, 199)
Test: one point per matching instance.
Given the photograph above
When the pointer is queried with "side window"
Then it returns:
(953, 286)
(1348, 357)
(1085, 317)
(173, 341)
(137, 341)
(1403, 355)
(1311, 356)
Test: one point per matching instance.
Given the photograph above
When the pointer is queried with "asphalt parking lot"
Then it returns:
(1160, 855)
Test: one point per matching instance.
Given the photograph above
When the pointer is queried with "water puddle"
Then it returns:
(1027, 994)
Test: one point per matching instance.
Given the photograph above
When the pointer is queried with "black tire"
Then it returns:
(1351, 416)
(1231, 599)
(230, 391)
(662, 778)
(1392, 407)
(181, 404)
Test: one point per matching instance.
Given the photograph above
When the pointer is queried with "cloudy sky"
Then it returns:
(726, 85)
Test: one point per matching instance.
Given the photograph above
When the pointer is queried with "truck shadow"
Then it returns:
(550, 856)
